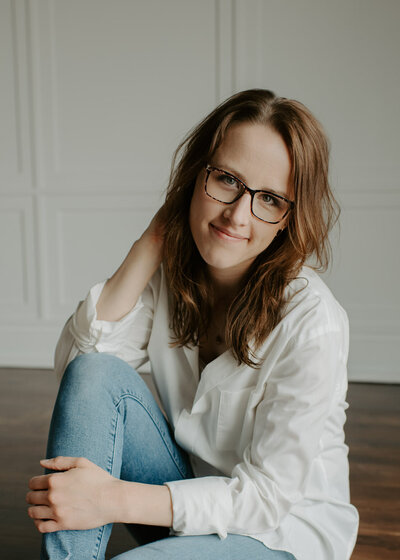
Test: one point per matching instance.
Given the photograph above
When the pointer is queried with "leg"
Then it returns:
(205, 547)
(105, 412)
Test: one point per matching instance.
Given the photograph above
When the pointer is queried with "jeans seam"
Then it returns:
(111, 459)
(98, 542)
(156, 424)
(110, 467)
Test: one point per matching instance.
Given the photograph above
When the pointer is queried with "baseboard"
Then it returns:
(372, 359)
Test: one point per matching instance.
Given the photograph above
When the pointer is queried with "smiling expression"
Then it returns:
(229, 237)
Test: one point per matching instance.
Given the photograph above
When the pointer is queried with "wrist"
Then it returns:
(147, 504)
(112, 500)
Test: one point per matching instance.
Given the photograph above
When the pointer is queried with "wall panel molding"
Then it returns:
(15, 169)
(17, 263)
(92, 236)
(293, 50)
(116, 136)
(66, 107)
(92, 125)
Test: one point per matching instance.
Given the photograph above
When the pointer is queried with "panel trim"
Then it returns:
(53, 208)
(54, 171)
(12, 311)
(17, 88)
(39, 342)
(18, 179)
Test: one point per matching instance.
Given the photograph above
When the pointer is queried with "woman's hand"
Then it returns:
(80, 497)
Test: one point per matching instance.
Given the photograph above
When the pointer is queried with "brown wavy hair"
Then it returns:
(259, 305)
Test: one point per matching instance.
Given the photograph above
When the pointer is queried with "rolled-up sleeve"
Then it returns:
(288, 426)
(126, 338)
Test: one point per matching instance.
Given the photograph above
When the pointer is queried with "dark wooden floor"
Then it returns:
(372, 431)
(373, 435)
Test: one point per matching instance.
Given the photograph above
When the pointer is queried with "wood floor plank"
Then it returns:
(373, 436)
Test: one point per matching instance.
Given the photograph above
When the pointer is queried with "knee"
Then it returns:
(93, 360)
(91, 370)
(97, 372)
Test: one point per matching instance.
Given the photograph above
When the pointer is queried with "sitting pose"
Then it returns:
(243, 456)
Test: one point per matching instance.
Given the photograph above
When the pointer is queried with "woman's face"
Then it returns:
(229, 237)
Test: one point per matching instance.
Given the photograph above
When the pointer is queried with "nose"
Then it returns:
(239, 212)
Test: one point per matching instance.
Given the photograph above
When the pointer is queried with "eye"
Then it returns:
(228, 180)
(269, 200)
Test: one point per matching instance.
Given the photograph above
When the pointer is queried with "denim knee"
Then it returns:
(92, 366)
(96, 360)
(93, 374)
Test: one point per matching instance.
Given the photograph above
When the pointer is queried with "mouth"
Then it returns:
(223, 233)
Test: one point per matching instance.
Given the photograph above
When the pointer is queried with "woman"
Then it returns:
(247, 349)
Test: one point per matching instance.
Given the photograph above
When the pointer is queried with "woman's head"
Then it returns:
(292, 154)
(314, 209)
(230, 224)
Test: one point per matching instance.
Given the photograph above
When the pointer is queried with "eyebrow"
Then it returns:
(237, 174)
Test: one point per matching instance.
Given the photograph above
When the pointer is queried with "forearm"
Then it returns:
(122, 290)
(147, 504)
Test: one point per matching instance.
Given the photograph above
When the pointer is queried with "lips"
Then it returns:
(225, 233)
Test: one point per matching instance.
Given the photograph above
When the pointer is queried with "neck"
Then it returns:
(225, 286)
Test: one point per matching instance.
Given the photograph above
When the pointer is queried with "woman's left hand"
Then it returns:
(80, 497)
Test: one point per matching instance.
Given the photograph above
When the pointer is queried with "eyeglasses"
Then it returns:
(224, 187)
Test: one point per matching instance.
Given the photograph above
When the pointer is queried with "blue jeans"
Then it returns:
(105, 412)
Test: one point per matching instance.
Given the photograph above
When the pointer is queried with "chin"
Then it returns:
(217, 260)
(226, 264)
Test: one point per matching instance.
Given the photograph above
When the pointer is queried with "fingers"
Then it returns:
(46, 526)
(40, 512)
(42, 482)
(48, 491)
(39, 497)
(39, 482)
(64, 463)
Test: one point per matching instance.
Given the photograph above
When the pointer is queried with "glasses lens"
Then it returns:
(269, 207)
(224, 187)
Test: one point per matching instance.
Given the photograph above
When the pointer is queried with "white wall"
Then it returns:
(95, 96)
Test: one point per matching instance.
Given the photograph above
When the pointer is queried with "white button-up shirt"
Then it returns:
(266, 445)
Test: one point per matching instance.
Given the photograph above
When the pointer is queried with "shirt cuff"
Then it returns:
(87, 330)
(201, 506)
